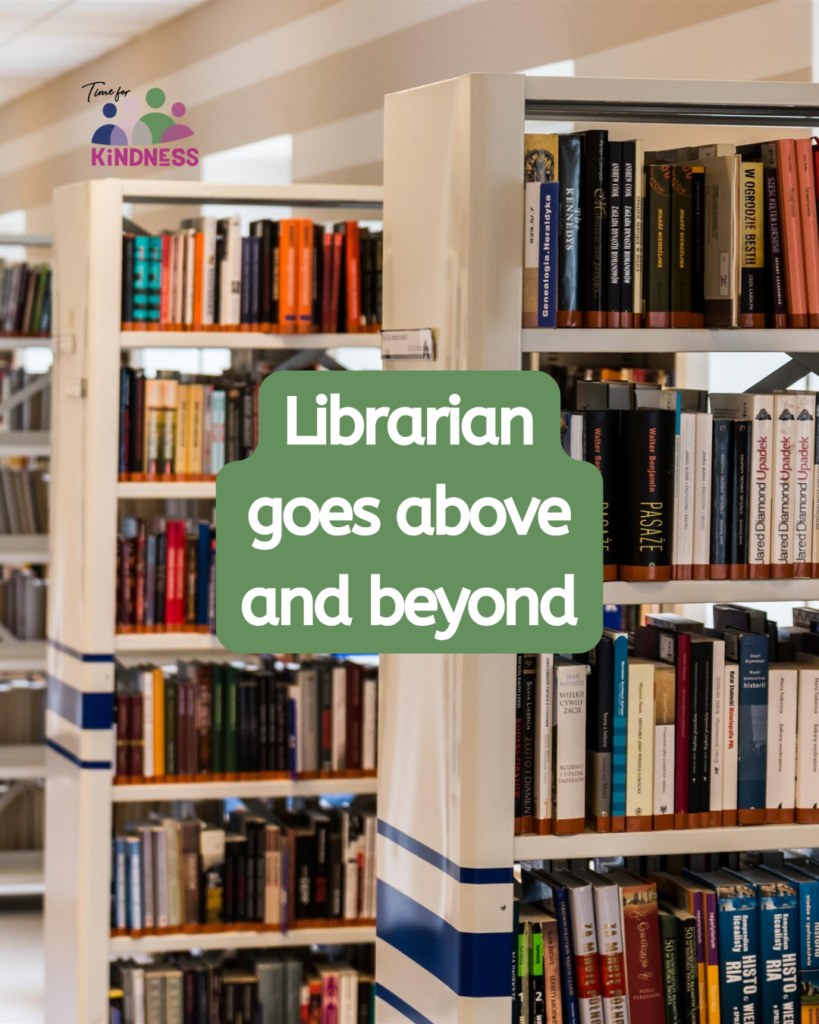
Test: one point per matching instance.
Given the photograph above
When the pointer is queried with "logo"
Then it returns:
(131, 138)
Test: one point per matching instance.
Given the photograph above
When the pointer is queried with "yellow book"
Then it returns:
(640, 746)
(194, 439)
(182, 424)
(540, 161)
(159, 722)
(167, 427)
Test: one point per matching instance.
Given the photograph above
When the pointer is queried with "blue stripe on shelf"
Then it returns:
(397, 1003)
(477, 965)
(76, 760)
(85, 710)
(72, 653)
(469, 876)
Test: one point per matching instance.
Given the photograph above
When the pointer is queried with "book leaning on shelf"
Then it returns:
(270, 871)
(255, 987)
(616, 237)
(287, 277)
(209, 722)
(723, 939)
(676, 726)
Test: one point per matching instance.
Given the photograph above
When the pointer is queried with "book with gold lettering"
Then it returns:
(657, 261)
(570, 747)
(640, 749)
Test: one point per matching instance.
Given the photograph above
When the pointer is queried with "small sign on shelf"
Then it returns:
(416, 343)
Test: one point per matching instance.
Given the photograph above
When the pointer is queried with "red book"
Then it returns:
(327, 324)
(355, 676)
(641, 932)
(790, 218)
(165, 282)
(170, 575)
(352, 274)
(810, 235)
(181, 566)
(123, 737)
(136, 746)
(304, 299)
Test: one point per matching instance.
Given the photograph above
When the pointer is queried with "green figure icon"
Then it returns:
(155, 122)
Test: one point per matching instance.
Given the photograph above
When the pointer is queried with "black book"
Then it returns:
(244, 316)
(630, 170)
(220, 258)
(137, 422)
(518, 744)
(126, 375)
(599, 712)
(263, 230)
(161, 577)
(720, 498)
(596, 222)
(569, 231)
(261, 703)
(752, 247)
(325, 688)
(682, 201)
(234, 853)
(740, 506)
(366, 276)
(335, 904)
(255, 304)
(601, 447)
(253, 727)
(243, 724)
(274, 274)
(321, 889)
(657, 266)
(698, 248)
(248, 430)
(699, 757)
(282, 754)
(318, 274)
(233, 416)
(649, 438)
(304, 842)
(127, 279)
(615, 233)
(527, 670)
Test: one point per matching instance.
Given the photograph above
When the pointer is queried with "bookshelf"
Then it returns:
(21, 873)
(83, 646)
(453, 187)
(25, 761)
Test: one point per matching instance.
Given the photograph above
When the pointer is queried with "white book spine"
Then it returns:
(784, 504)
(339, 748)
(531, 240)
(161, 877)
(803, 505)
(664, 743)
(121, 886)
(369, 716)
(369, 866)
(640, 742)
(780, 780)
(584, 940)
(611, 950)
(272, 887)
(138, 981)
(684, 527)
(570, 747)
(730, 745)
(701, 543)
(209, 276)
(717, 730)
(762, 481)
(147, 681)
(308, 731)
(348, 993)
(349, 852)
(807, 768)
(544, 737)
(234, 268)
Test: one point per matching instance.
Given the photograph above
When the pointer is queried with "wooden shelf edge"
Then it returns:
(124, 945)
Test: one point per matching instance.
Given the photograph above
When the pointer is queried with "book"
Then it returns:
(641, 727)
(803, 483)
(540, 255)
(610, 945)
(641, 931)
(671, 977)
(750, 652)
(681, 237)
(596, 228)
(752, 298)
(615, 234)
(570, 747)
(599, 720)
(544, 745)
(657, 264)
(571, 218)
(665, 697)
(619, 738)
(584, 945)
(780, 775)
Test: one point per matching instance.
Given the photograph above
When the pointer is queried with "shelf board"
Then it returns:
(24, 442)
(244, 340)
(160, 190)
(695, 840)
(24, 549)
(21, 873)
(569, 339)
(225, 790)
(22, 656)
(22, 762)
(124, 945)
(167, 489)
(150, 643)
(709, 591)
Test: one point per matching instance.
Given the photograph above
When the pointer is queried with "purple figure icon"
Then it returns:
(109, 134)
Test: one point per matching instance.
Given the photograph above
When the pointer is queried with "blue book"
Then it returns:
(778, 913)
(142, 278)
(738, 942)
(202, 574)
(806, 879)
(619, 730)
(154, 277)
(134, 882)
(750, 652)
(120, 907)
(540, 253)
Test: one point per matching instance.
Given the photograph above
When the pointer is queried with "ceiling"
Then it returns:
(42, 39)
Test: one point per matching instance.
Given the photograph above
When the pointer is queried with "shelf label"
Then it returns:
(417, 343)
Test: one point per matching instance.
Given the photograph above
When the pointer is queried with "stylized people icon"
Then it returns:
(156, 127)
(109, 134)
(177, 131)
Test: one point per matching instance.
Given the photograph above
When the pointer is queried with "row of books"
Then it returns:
(206, 722)
(166, 576)
(567, 377)
(289, 277)
(674, 726)
(616, 236)
(22, 712)
(25, 298)
(280, 869)
(254, 988)
(702, 946)
(23, 603)
(32, 413)
(689, 494)
(179, 427)
(23, 499)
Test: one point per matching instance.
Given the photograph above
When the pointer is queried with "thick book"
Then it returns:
(631, 170)
(681, 245)
(657, 263)
(716, 767)
(540, 255)
(808, 220)
(615, 234)
(688, 896)
(571, 214)
(701, 516)
(790, 221)
(527, 670)
(550, 894)
(665, 699)
(641, 931)
(640, 767)
(804, 456)
(698, 247)
(669, 937)
(584, 946)
(687, 984)
(750, 652)
(722, 240)
(752, 298)
(595, 219)
(570, 746)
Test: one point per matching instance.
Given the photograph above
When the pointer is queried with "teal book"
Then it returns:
(805, 877)
(142, 262)
(154, 277)
(619, 731)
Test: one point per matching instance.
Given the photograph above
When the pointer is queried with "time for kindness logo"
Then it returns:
(138, 131)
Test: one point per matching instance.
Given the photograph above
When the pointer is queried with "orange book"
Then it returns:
(304, 302)
(810, 238)
(198, 277)
(352, 272)
(789, 215)
(288, 276)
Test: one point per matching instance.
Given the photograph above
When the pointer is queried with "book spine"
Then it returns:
(570, 231)
(698, 248)
(807, 768)
(701, 541)
(571, 1006)
(730, 746)
(783, 504)
(305, 287)
(611, 952)
(681, 248)
(639, 804)
(547, 259)
(752, 291)
(602, 443)
(570, 749)
(720, 498)
(584, 942)
(649, 436)
(644, 967)
(596, 230)
(687, 965)
(711, 956)
(127, 280)
(680, 657)
(738, 547)
(553, 1009)
(790, 219)
(684, 504)
(777, 307)
(738, 969)
(805, 430)
(780, 780)
(615, 234)
(598, 737)
(751, 654)
(665, 700)
(527, 667)
(761, 489)
(671, 977)
(288, 275)
(778, 957)
(808, 221)
(619, 750)
(544, 744)
(715, 769)
(658, 237)
(630, 173)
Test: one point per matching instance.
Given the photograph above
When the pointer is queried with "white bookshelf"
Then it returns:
(30, 443)
(21, 655)
(453, 260)
(22, 761)
(24, 549)
(81, 794)
(21, 873)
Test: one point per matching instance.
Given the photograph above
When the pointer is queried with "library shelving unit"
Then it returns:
(453, 188)
(83, 645)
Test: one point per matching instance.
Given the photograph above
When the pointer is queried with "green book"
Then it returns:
(671, 988)
(230, 719)
(171, 767)
(217, 710)
(33, 326)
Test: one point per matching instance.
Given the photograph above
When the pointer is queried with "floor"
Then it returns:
(22, 968)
